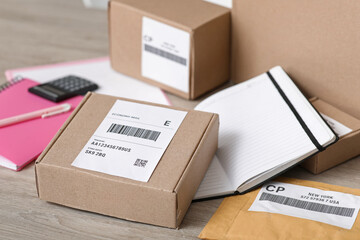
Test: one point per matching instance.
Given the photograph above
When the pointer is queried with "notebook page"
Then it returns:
(4, 162)
(215, 182)
(317, 126)
(257, 129)
(268, 174)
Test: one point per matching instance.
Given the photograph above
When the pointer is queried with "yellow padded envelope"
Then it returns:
(233, 220)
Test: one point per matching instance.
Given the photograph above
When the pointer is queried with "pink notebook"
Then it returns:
(23, 142)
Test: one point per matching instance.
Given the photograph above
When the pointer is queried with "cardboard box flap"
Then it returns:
(189, 13)
(346, 119)
(171, 165)
(316, 42)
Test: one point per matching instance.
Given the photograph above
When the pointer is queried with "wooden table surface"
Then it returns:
(35, 32)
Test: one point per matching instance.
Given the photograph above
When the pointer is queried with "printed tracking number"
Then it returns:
(134, 131)
(311, 206)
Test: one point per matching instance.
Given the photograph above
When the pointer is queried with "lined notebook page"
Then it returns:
(313, 120)
(215, 180)
(258, 131)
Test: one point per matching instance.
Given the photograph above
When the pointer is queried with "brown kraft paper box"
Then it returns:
(139, 51)
(163, 200)
(347, 146)
(317, 44)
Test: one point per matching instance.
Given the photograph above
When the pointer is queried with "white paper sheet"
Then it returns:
(339, 128)
(215, 180)
(99, 71)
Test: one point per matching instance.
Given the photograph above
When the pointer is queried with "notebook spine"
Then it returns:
(10, 83)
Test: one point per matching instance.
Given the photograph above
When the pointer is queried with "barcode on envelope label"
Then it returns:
(165, 54)
(311, 206)
(134, 131)
(140, 163)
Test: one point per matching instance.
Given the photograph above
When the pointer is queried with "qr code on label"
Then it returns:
(140, 163)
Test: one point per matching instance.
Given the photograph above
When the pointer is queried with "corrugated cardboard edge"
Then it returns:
(195, 170)
(58, 134)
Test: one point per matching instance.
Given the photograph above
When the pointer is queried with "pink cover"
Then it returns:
(23, 142)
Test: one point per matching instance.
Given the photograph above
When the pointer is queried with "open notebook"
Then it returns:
(266, 126)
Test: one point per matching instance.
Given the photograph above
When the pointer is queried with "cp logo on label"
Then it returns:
(273, 188)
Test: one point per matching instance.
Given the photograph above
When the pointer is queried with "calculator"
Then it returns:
(63, 88)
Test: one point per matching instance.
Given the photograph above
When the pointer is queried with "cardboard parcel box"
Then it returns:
(182, 46)
(163, 200)
(348, 129)
(318, 45)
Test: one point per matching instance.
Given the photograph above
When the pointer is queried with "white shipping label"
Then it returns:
(165, 54)
(130, 141)
(335, 208)
(339, 128)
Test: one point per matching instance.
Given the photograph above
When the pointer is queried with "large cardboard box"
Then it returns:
(182, 46)
(316, 42)
(163, 200)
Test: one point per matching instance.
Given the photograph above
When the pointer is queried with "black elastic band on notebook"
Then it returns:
(298, 117)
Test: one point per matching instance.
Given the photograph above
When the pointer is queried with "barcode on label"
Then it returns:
(165, 54)
(311, 206)
(140, 163)
(134, 131)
